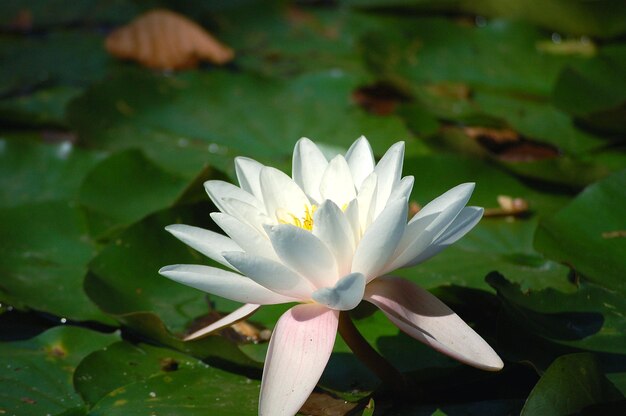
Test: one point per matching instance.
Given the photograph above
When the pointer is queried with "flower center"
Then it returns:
(305, 222)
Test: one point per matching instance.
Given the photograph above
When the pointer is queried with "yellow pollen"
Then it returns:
(305, 222)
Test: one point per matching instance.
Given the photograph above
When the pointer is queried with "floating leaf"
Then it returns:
(582, 234)
(37, 374)
(45, 250)
(570, 384)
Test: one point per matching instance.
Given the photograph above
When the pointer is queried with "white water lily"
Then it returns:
(327, 238)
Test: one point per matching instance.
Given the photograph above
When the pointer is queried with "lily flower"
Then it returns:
(327, 238)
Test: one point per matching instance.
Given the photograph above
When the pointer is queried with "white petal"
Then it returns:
(367, 201)
(404, 188)
(230, 319)
(222, 283)
(332, 227)
(428, 224)
(345, 295)
(297, 355)
(305, 253)
(248, 174)
(389, 171)
(352, 215)
(337, 184)
(272, 275)
(360, 158)
(425, 318)
(461, 192)
(308, 167)
(248, 214)
(207, 242)
(247, 237)
(462, 224)
(281, 192)
(380, 240)
(220, 190)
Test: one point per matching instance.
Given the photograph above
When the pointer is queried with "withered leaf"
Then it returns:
(162, 39)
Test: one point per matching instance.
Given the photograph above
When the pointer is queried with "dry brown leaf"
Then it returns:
(509, 145)
(162, 39)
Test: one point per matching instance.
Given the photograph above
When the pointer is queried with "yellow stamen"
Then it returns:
(306, 222)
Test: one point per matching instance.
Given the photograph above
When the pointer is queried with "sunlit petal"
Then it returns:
(222, 283)
(207, 242)
(345, 295)
(308, 166)
(360, 158)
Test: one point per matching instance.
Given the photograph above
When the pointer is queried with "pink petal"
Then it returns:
(230, 319)
(425, 318)
(298, 352)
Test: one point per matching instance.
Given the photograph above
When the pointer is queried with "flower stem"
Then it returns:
(368, 355)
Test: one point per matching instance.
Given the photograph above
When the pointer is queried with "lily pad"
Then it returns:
(36, 374)
(590, 233)
(184, 122)
(124, 188)
(590, 318)
(112, 372)
(45, 250)
(411, 51)
(32, 172)
(570, 384)
(45, 107)
(65, 58)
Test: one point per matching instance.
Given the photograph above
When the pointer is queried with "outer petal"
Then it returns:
(380, 240)
(222, 283)
(305, 253)
(247, 237)
(425, 318)
(404, 188)
(428, 224)
(219, 191)
(207, 242)
(333, 229)
(308, 166)
(462, 224)
(230, 319)
(248, 172)
(337, 184)
(360, 158)
(298, 352)
(389, 171)
(272, 275)
(281, 192)
(345, 295)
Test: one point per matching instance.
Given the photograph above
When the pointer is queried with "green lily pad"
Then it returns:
(45, 107)
(589, 233)
(66, 58)
(32, 172)
(45, 250)
(126, 187)
(287, 39)
(37, 373)
(49, 13)
(604, 19)
(570, 384)
(590, 318)
(185, 121)
(121, 371)
(411, 51)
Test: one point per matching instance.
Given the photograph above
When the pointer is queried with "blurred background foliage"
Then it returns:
(525, 97)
